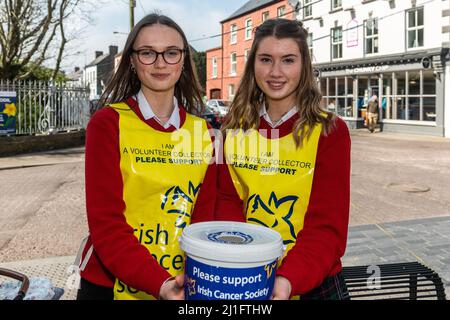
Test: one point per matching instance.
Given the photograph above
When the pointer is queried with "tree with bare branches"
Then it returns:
(33, 32)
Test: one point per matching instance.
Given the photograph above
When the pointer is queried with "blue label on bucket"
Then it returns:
(206, 282)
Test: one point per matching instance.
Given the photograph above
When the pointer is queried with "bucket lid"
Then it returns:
(228, 241)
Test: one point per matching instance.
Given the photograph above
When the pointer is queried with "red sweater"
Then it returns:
(322, 241)
(117, 252)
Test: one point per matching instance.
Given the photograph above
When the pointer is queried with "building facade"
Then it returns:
(226, 64)
(98, 72)
(398, 50)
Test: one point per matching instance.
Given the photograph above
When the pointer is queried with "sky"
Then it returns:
(198, 19)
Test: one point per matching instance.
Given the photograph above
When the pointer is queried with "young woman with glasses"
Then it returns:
(288, 163)
(147, 174)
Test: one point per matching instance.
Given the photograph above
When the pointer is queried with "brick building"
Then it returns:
(225, 64)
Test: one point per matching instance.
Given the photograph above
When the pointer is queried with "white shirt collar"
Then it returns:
(263, 113)
(148, 113)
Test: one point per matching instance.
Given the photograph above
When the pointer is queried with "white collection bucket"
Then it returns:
(230, 260)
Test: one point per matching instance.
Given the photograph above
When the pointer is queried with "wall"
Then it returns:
(26, 144)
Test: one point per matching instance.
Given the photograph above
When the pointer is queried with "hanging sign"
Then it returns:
(352, 33)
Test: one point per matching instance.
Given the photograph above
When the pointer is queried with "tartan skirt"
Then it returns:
(332, 288)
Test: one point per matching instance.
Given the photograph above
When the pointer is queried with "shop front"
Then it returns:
(409, 87)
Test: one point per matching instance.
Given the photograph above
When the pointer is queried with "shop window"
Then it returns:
(323, 86)
(414, 108)
(332, 87)
(414, 83)
(429, 109)
(429, 82)
(400, 107)
(386, 100)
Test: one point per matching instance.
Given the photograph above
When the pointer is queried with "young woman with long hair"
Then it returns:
(288, 163)
(146, 177)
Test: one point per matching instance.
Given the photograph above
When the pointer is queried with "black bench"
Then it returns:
(396, 281)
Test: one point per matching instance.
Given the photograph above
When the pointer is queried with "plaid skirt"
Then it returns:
(332, 288)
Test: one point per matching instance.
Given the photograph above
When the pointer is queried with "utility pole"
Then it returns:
(132, 6)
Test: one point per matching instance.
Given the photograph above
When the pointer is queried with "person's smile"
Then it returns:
(160, 76)
(276, 85)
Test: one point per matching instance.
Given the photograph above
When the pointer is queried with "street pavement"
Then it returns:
(400, 206)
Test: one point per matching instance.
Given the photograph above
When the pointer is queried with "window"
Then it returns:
(233, 34)
(246, 52)
(281, 11)
(265, 16)
(309, 41)
(307, 9)
(336, 4)
(336, 43)
(414, 28)
(248, 29)
(230, 91)
(371, 36)
(233, 64)
(214, 67)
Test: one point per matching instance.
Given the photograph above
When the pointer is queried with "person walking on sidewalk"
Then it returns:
(144, 185)
(373, 111)
(288, 163)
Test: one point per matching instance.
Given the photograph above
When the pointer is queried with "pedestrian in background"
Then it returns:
(307, 197)
(373, 111)
(138, 196)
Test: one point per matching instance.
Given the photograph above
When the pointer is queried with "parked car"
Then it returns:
(212, 117)
(219, 105)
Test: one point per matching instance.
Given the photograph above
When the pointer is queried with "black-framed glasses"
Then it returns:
(149, 56)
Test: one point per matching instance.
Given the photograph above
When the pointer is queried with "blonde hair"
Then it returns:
(249, 98)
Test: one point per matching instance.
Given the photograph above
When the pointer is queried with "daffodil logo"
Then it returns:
(10, 109)
(274, 213)
(191, 286)
(177, 201)
(269, 268)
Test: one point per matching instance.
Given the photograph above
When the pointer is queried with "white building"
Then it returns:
(398, 49)
(97, 73)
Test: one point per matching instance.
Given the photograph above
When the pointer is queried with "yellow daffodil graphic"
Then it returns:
(275, 213)
(191, 286)
(10, 109)
(9, 112)
(177, 201)
(269, 268)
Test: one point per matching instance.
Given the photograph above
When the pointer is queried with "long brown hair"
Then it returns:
(249, 98)
(125, 83)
